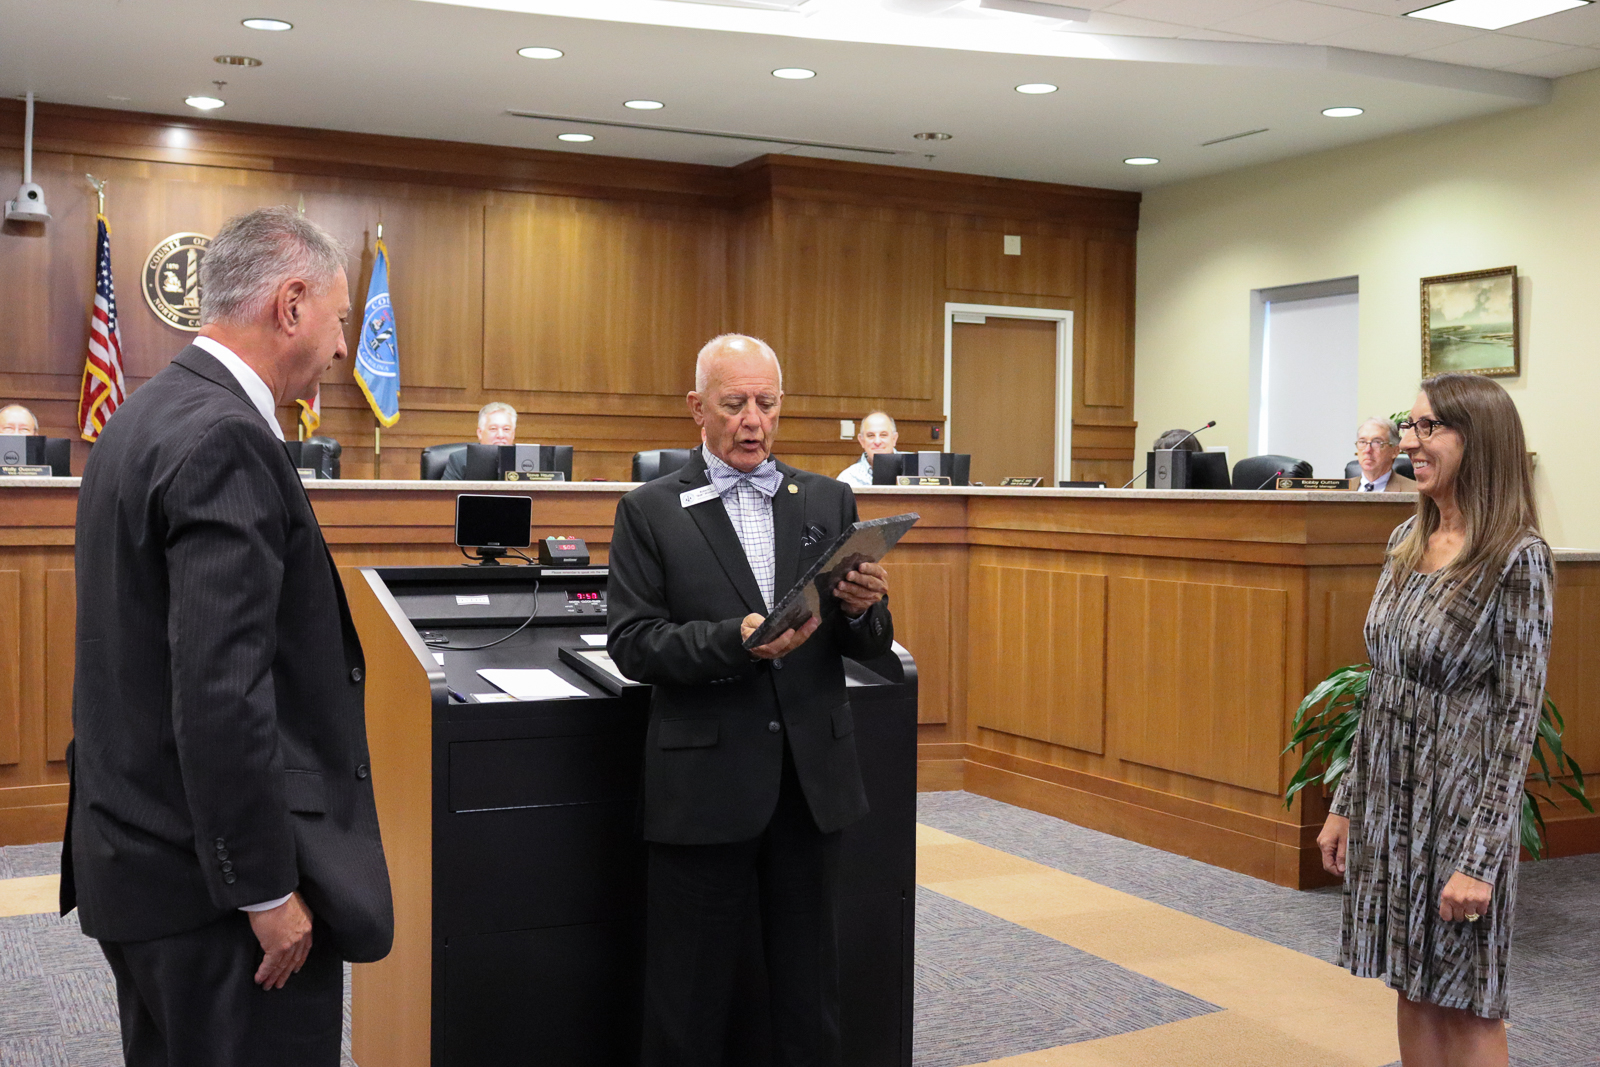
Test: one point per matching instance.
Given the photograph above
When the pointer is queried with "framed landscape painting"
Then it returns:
(1469, 323)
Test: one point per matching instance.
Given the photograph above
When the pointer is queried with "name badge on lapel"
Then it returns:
(697, 496)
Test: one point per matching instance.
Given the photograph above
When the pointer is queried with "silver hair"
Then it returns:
(737, 342)
(496, 407)
(255, 253)
(1388, 427)
(18, 407)
(892, 426)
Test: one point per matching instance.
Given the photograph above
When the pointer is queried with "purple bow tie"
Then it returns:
(766, 478)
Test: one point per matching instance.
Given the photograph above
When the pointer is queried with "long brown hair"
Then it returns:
(1493, 484)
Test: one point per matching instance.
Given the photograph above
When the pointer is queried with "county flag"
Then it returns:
(377, 354)
(103, 387)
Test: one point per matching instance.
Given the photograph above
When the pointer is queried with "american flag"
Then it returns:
(103, 388)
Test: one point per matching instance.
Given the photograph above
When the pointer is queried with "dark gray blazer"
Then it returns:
(220, 756)
(679, 586)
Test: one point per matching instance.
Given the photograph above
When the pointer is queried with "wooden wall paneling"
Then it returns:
(1200, 678)
(920, 599)
(861, 306)
(1040, 672)
(1048, 265)
(1574, 683)
(435, 283)
(586, 297)
(1108, 326)
(61, 641)
(10, 667)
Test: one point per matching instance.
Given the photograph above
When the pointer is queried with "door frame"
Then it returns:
(1063, 321)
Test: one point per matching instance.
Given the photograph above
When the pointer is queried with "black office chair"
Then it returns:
(1402, 467)
(650, 465)
(1257, 471)
(434, 458)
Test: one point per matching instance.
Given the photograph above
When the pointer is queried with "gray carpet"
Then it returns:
(985, 988)
(1555, 978)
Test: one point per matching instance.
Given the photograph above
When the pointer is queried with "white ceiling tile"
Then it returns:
(1220, 35)
(1188, 12)
(1124, 26)
(1400, 37)
(1560, 64)
(1491, 50)
(1579, 26)
(1297, 21)
(1378, 7)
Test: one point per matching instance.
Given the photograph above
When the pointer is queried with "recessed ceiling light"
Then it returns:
(275, 25)
(237, 61)
(644, 105)
(1342, 112)
(932, 136)
(1141, 161)
(574, 136)
(1492, 14)
(794, 74)
(1037, 88)
(540, 53)
(204, 103)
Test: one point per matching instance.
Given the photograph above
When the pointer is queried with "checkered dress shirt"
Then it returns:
(750, 511)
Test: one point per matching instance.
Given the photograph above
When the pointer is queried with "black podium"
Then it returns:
(511, 828)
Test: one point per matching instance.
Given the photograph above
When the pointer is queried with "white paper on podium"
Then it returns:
(535, 684)
(595, 640)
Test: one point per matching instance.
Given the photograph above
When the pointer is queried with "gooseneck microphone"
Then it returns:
(1135, 478)
(1275, 475)
(1191, 433)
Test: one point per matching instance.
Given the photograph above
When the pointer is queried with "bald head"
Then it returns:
(730, 346)
(738, 391)
(14, 418)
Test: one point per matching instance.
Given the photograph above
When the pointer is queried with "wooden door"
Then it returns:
(1003, 398)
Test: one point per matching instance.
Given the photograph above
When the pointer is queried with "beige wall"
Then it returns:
(1519, 188)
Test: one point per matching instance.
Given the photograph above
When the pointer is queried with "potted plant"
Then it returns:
(1325, 737)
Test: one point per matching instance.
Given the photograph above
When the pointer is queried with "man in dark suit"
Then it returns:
(497, 425)
(222, 839)
(750, 763)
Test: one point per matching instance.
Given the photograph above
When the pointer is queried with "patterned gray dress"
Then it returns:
(1436, 774)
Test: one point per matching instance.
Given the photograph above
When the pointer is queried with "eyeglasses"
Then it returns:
(1364, 443)
(1423, 428)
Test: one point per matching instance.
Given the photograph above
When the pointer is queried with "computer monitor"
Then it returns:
(953, 465)
(22, 450)
(493, 523)
(489, 463)
(320, 454)
(1177, 468)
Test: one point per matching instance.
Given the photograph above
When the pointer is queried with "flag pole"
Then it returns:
(100, 191)
(377, 450)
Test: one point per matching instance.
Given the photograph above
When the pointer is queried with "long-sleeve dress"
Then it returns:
(1436, 775)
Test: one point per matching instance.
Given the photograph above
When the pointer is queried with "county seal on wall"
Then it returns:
(172, 279)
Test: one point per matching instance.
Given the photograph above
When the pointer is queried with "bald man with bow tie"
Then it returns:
(750, 760)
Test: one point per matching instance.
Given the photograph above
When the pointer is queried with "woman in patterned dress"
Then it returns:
(1425, 820)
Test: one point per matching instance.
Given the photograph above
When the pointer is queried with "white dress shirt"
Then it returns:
(261, 397)
(254, 387)
(1376, 485)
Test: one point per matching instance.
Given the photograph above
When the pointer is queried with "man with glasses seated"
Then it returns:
(1377, 445)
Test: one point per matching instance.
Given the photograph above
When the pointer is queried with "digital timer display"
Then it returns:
(584, 598)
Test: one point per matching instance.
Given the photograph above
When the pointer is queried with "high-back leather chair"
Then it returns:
(648, 466)
(1402, 467)
(434, 458)
(1255, 472)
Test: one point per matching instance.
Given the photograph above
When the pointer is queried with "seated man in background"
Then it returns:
(878, 437)
(16, 419)
(1183, 439)
(497, 425)
(1377, 445)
